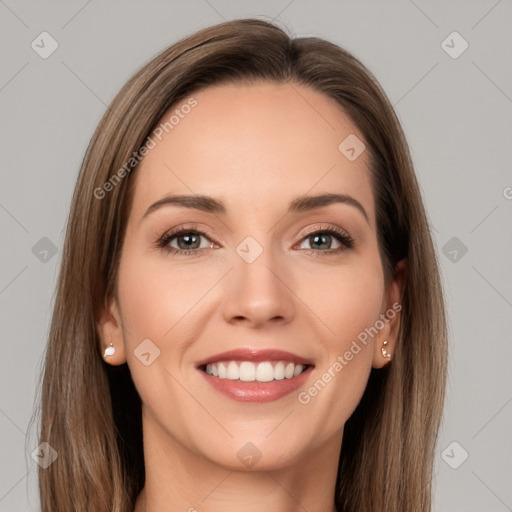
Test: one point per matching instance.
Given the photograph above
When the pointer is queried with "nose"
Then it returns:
(259, 292)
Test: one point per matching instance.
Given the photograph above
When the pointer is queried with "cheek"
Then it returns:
(159, 300)
(156, 298)
(155, 301)
(164, 303)
(350, 303)
(347, 299)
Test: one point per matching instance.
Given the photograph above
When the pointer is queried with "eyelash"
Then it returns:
(344, 238)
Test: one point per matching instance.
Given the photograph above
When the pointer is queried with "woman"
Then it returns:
(249, 313)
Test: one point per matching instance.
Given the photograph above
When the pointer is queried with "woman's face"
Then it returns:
(277, 278)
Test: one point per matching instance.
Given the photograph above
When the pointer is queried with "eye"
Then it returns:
(321, 240)
(188, 241)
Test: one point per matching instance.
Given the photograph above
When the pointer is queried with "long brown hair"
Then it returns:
(91, 411)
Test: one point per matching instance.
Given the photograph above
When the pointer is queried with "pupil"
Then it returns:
(188, 239)
(323, 238)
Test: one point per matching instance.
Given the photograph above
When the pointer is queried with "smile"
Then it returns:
(247, 371)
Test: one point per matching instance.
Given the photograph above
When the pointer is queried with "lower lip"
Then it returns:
(257, 391)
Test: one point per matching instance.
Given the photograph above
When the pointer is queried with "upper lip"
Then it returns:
(248, 354)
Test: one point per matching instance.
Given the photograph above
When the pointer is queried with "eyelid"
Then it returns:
(325, 227)
(186, 228)
(344, 238)
(162, 242)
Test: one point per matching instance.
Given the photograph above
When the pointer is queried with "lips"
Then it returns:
(250, 375)
(255, 356)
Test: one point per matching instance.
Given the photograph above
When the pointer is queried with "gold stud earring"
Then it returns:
(384, 350)
(109, 351)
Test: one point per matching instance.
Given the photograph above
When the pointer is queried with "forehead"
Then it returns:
(260, 144)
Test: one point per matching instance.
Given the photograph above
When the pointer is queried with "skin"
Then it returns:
(255, 148)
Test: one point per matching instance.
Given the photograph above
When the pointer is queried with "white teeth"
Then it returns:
(222, 370)
(279, 371)
(233, 372)
(264, 372)
(247, 371)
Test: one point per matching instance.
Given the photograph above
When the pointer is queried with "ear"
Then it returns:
(110, 330)
(390, 317)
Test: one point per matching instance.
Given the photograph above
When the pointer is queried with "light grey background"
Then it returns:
(457, 116)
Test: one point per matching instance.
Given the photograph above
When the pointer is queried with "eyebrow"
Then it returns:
(297, 205)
